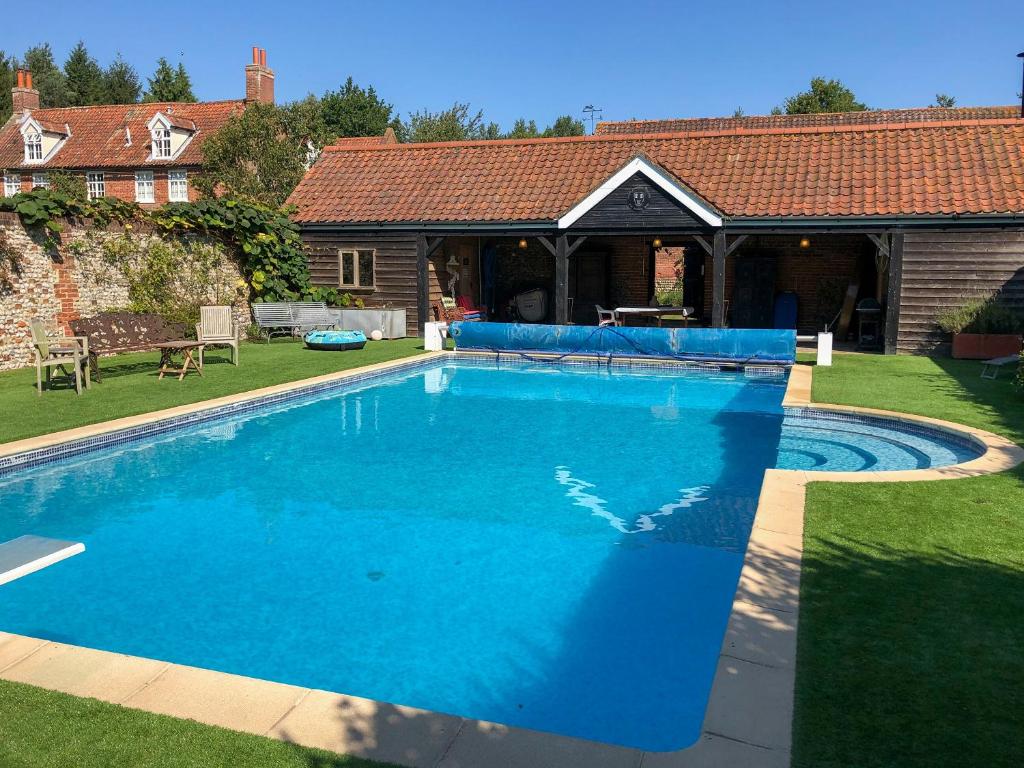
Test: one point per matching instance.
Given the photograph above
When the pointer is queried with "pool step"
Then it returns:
(28, 554)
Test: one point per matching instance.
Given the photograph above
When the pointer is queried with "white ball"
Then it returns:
(376, 335)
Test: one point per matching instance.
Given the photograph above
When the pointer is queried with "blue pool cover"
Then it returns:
(731, 345)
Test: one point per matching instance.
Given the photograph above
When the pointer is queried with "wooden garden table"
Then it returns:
(170, 348)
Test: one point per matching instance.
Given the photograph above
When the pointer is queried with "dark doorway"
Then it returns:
(693, 280)
(588, 285)
(753, 296)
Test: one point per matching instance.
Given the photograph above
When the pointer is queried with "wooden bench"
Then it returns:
(115, 332)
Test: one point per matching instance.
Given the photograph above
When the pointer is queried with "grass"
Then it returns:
(911, 641)
(43, 729)
(130, 385)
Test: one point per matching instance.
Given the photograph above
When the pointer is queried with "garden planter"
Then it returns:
(390, 322)
(985, 346)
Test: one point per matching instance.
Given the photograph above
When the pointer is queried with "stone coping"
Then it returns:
(750, 710)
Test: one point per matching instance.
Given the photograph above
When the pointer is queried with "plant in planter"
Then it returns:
(983, 328)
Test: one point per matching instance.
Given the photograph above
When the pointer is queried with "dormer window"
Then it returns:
(161, 143)
(33, 146)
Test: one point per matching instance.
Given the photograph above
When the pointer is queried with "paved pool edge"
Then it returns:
(750, 710)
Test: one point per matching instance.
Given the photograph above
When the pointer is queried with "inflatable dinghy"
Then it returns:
(335, 341)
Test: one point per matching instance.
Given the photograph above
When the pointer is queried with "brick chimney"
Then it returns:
(259, 80)
(24, 95)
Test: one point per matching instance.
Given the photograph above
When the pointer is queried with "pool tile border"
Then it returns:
(749, 716)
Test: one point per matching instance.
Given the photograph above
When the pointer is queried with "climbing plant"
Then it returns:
(267, 241)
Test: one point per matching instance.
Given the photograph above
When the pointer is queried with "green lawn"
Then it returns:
(911, 643)
(130, 383)
(43, 729)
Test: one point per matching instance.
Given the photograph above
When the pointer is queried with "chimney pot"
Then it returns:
(23, 96)
(28, 79)
(255, 55)
(263, 57)
(259, 79)
(21, 78)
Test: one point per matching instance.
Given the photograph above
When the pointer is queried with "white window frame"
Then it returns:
(34, 147)
(177, 186)
(95, 185)
(355, 284)
(40, 181)
(12, 184)
(161, 143)
(145, 187)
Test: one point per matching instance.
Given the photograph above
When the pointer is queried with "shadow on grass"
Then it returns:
(999, 397)
(908, 658)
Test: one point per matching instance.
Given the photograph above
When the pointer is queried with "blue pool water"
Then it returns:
(552, 548)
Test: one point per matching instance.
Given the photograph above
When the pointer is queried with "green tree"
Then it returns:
(823, 96)
(354, 111)
(169, 84)
(524, 130)
(8, 65)
(83, 77)
(120, 83)
(47, 77)
(566, 125)
(738, 112)
(304, 121)
(453, 124)
(253, 156)
(944, 100)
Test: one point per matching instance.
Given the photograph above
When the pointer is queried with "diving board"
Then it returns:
(28, 554)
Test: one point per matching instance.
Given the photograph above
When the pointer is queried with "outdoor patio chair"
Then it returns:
(57, 351)
(991, 368)
(606, 316)
(217, 327)
(273, 317)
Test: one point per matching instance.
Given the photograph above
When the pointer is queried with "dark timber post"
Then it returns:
(718, 280)
(422, 287)
(561, 280)
(892, 296)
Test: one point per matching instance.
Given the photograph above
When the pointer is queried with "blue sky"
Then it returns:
(541, 59)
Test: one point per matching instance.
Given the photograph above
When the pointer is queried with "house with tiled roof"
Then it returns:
(149, 152)
(905, 214)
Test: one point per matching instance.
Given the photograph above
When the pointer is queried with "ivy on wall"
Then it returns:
(266, 241)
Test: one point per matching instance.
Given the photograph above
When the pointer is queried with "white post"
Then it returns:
(433, 336)
(824, 349)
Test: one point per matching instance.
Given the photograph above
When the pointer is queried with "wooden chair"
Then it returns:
(216, 326)
(55, 351)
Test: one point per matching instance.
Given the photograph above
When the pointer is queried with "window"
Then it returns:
(12, 185)
(33, 146)
(356, 269)
(95, 185)
(40, 180)
(177, 186)
(144, 192)
(161, 142)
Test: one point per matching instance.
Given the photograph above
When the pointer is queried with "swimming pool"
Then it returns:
(550, 547)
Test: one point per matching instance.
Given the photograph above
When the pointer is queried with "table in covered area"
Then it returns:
(657, 313)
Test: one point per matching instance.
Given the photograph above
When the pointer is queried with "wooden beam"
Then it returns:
(422, 285)
(718, 280)
(736, 243)
(576, 244)
(433, 245)
(882, 241)
(562, 280)
(547, 244)
(893, 295)
(703, 244)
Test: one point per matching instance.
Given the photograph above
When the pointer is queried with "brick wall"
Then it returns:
(61, 284)
(814, 274)
(121, 183)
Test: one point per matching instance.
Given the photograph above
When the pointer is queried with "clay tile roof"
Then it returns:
(943, 167)
(863, 117)
(98, 136)
(51, 127)
(180, 122)
(354, 142)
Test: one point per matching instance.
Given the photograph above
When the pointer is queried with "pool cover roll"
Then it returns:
(726, 345)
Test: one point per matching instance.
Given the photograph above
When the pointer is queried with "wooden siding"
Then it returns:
(614, 212)
(943, 269)
(394, 270)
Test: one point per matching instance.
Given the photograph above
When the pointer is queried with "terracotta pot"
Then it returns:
(985, 346)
